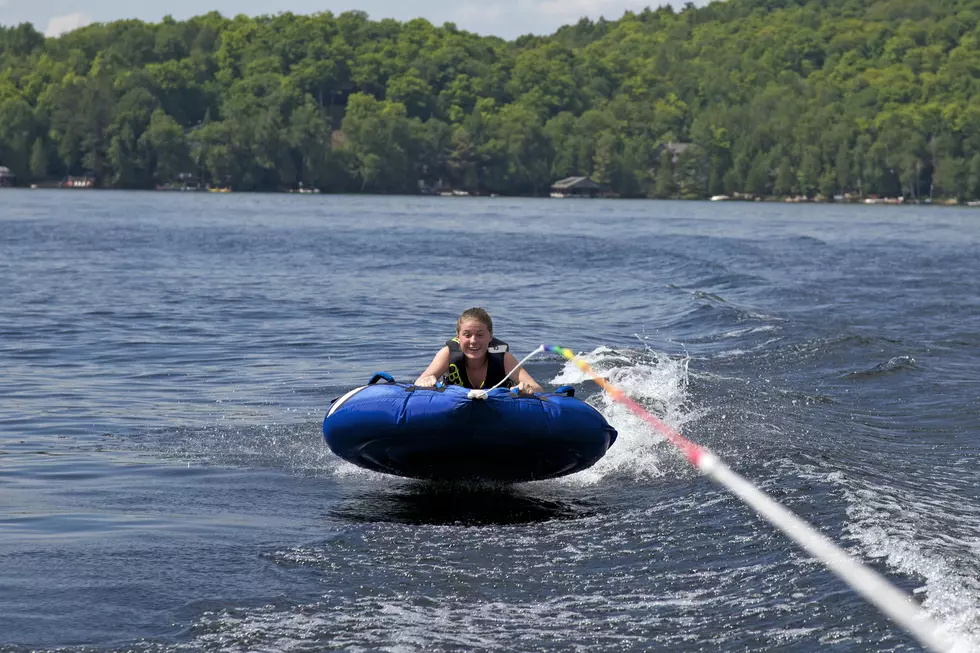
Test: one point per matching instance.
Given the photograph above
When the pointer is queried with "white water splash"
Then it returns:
(899, 527)
(654, 380)
(897, 530)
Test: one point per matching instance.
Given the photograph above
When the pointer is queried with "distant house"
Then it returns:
(676, 149)
(575, 187)
(7, 178)
(188, 181)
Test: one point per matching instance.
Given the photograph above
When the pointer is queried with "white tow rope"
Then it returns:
(868, 583)
(482, 394)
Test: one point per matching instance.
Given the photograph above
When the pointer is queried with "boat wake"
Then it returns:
(889, 522)
(933, 538)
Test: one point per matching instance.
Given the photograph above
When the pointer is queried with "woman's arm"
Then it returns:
(438, 367)
(526, 385)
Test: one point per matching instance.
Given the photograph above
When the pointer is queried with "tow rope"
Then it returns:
(868, 583)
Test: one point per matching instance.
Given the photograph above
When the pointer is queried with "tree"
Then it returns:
(165, 147)
(757, 182)
(808, 175)
(605, 168)
(665, 185)
(949, 178)
(39, 160)
(785, 178)
(132, 164)
(17, 129)
(379, 136)
(781, 97)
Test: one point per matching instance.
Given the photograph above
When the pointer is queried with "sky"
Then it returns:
(505, 18)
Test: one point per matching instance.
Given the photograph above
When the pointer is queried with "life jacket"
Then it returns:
(495, 365)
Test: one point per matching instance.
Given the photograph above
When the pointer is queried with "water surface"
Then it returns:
(168, 359)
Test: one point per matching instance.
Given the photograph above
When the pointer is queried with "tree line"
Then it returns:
(763, 97)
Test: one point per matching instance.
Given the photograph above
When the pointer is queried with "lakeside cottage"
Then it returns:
(575, 187)
(675, 148)
(7, 178)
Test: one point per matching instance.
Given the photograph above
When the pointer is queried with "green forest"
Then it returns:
(769, 98)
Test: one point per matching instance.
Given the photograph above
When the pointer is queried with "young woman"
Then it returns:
(475, 359)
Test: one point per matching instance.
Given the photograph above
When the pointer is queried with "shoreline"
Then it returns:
(867, 201)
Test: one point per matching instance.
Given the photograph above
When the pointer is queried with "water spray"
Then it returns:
(868, 583)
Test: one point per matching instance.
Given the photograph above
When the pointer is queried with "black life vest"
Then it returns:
(495, 365)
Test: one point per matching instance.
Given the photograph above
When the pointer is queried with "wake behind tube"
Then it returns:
(869, 584)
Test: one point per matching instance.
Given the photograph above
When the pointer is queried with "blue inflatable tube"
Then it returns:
(442, 434)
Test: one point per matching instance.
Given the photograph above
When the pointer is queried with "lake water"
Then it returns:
(167, 360)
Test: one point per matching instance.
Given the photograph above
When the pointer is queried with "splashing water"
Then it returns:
(871, 585)
(656, 381)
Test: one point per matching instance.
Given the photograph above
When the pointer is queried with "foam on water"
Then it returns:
(657, 382)
(293, 448)
(888, 522)
(911, 533)
(442, 593)
(405, 624)
(892, 524)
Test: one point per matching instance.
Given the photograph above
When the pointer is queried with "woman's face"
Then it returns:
(474, 338)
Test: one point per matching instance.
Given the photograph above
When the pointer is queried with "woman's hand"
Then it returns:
(525, 389)
(428, 381)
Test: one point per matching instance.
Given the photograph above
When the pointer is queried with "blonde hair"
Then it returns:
(475, 313)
